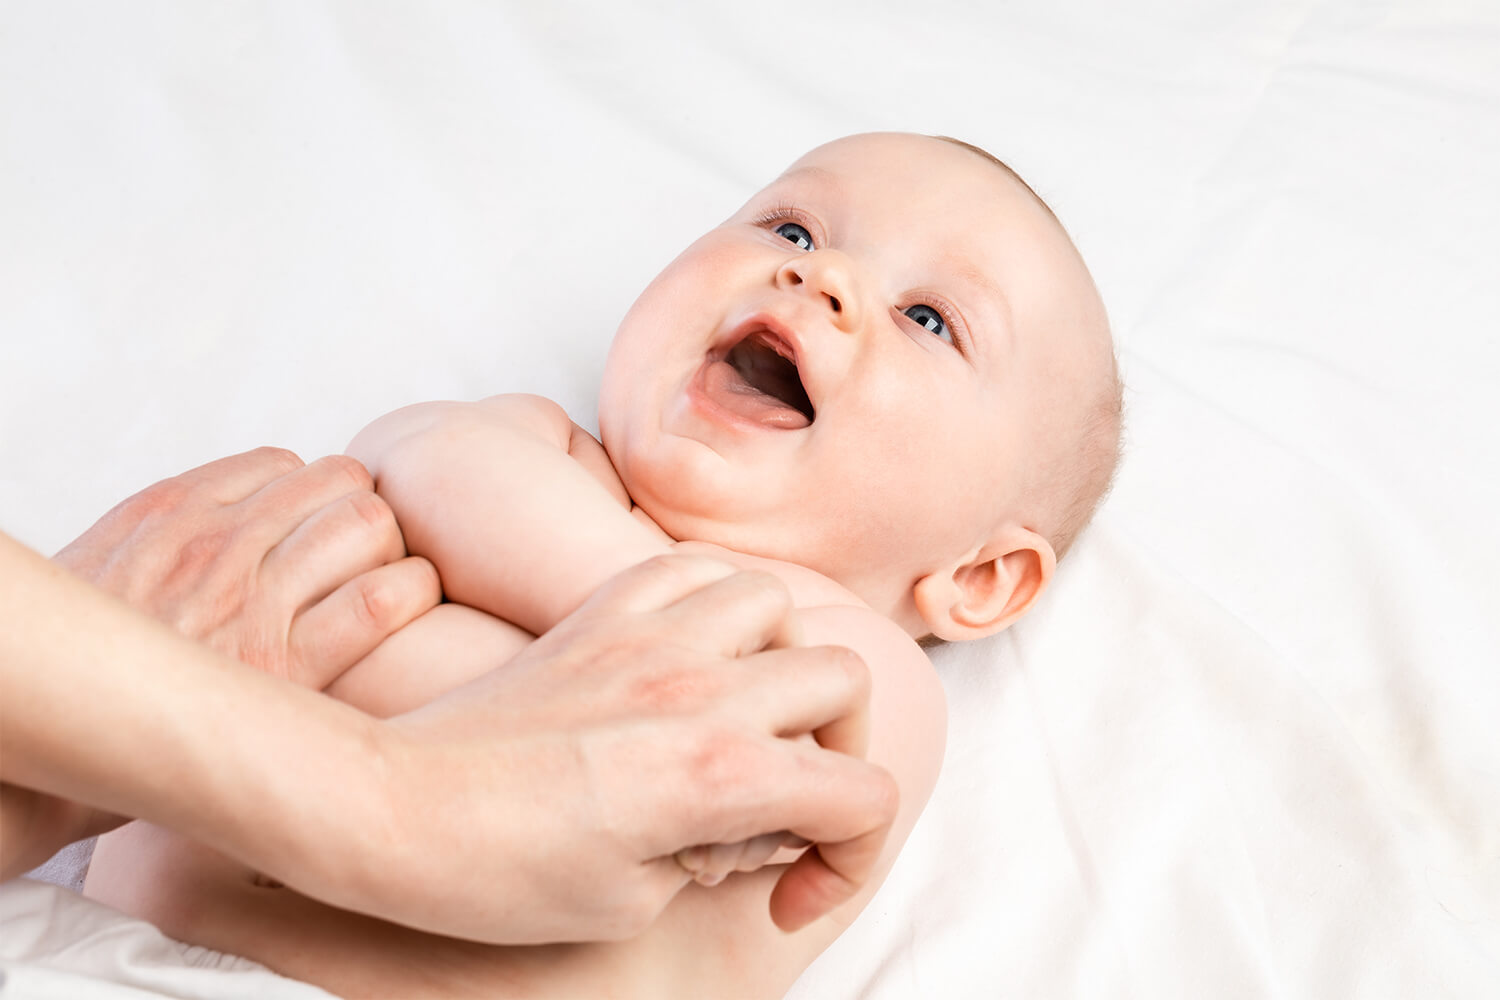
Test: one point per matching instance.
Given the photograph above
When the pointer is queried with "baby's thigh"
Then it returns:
(447, 647)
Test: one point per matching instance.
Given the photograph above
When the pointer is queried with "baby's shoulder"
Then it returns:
(831, 614)
(908, 711)
(809, 588)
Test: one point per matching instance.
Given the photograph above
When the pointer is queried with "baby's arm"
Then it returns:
(517, 507)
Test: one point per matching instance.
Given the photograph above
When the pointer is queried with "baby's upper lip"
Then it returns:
(775, 331)
(782, 336)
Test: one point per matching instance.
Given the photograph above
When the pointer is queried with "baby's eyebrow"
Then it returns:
(966, 270)
(988, 290)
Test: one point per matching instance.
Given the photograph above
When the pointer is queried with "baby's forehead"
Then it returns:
(902, 187)
(920, 167)
(937, 195)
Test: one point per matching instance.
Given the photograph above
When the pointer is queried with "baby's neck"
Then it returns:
(809, 587)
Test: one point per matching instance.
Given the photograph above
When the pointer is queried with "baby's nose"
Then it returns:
(828, 274)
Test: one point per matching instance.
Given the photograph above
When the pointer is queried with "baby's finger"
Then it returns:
(757, 852)
(337, 632)
(274, 511)
(710, 864)
(349, 536)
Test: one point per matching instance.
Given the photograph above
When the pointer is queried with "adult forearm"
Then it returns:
(168, 730)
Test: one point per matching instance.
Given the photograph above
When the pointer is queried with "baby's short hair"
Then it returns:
(1085, 473)
(1076, 481)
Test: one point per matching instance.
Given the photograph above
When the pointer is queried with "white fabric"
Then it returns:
(57, 944)
(1246, 748)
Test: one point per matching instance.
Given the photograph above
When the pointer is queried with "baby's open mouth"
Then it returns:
(757, 378)
(765, 369)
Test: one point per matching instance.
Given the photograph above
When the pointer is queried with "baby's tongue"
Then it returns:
(726, 387)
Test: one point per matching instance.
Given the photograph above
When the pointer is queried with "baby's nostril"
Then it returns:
(834, 301)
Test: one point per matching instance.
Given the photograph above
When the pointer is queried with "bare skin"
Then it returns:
(197, 894)
(300, 568)
(919, 339)
(248, 550)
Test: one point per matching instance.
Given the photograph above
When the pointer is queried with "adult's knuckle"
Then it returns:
(347, 468)
(212, 604)
(661, 687)
(280, 461)
(197, 554)
(377, 602)
(371, 510)
(165, 497)
(720, 760)
(424, 577)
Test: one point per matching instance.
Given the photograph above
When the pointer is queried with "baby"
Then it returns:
(887, 379)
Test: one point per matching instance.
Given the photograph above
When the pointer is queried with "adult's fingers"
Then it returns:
(350, 536)
(825, 876)
(229, 480)
(275, 510)
(748, 784)
(838, 864)
(735, 616)
(339, 630)
(823, 690)
(844, 805)
(218, 483)
(655, 584)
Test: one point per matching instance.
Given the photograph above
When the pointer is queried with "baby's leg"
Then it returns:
(708, 943)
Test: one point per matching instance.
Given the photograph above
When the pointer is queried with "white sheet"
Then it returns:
(1246, 748)
(58, 945)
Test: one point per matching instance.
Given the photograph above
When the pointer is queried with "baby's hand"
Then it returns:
(710, 864)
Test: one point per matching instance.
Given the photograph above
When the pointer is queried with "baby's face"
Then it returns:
(850, 373)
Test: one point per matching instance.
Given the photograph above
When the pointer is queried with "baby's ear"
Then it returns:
(988, 591)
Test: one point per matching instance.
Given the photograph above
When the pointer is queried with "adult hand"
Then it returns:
(662, 714)
(295, 569)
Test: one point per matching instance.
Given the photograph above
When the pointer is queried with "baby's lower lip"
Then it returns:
(723, 387)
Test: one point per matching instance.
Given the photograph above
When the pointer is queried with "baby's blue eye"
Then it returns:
(930, 320)
(796, 234)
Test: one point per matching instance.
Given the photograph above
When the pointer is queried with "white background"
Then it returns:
(1247, 747)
